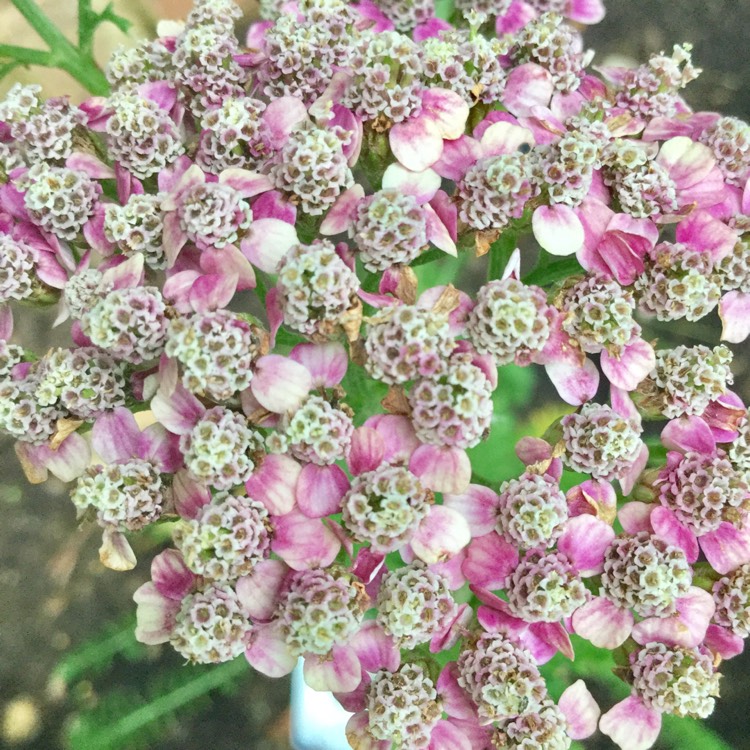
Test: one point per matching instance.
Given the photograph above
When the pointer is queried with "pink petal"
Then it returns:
(245, 182)
(687, 162)
(266, 243)
(320, 490)
(340, 674)
(457, 157)
(229, 261)
(689, 433)
(686, 629)
(603, 623)
(557, 229)
(375, 650)
(366, 451)
(665, 524)
(576, 383)
(734, 311)
(447, 736)
(326, 363)
(635, 516)
(580, 710)
(259, 592)
(6, 322)
(631, 366)
(280, 384)
(280, 117)
(585, 541)
(267, 651)
(155, 615)
(304, 543)
(275, 483)
(440, 535)
(703, 232)
(212, 292)
(115, 436)
(630, 476)
(588, 12)
(274, 205)
(724, 643)
(422, 185)
(489, 561)
(528, 86)
(441, 469)
(189, 496)
(447, 110)
(478, 505)
(631, 724)
(70, 459)
(594, 497)
(416, 143)
(727, 548)
(398, 435)
(90, 165)
(178, 412)
(504, 138)
(170, 576)
(341, 214)
(356, 728)
(437, 232)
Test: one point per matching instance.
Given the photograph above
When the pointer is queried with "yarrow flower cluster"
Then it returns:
(305, 331)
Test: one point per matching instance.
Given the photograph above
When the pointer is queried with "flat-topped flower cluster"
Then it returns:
(237, 238)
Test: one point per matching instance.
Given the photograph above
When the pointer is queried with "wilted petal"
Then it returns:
(557, 229)
(440, 535)
(631, 724)
(280, 384)
(580, 709)
(320, 490)
(603, 623)
(116, 552)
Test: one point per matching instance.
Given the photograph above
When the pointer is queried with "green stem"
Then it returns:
(548, 271)
(24, 55)
(62, 54)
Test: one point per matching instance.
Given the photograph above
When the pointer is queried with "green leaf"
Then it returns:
(494, 460)
(500, 251)
(363, 394)
(549, 271)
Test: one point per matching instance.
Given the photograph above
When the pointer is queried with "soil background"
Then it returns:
(54, 594)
